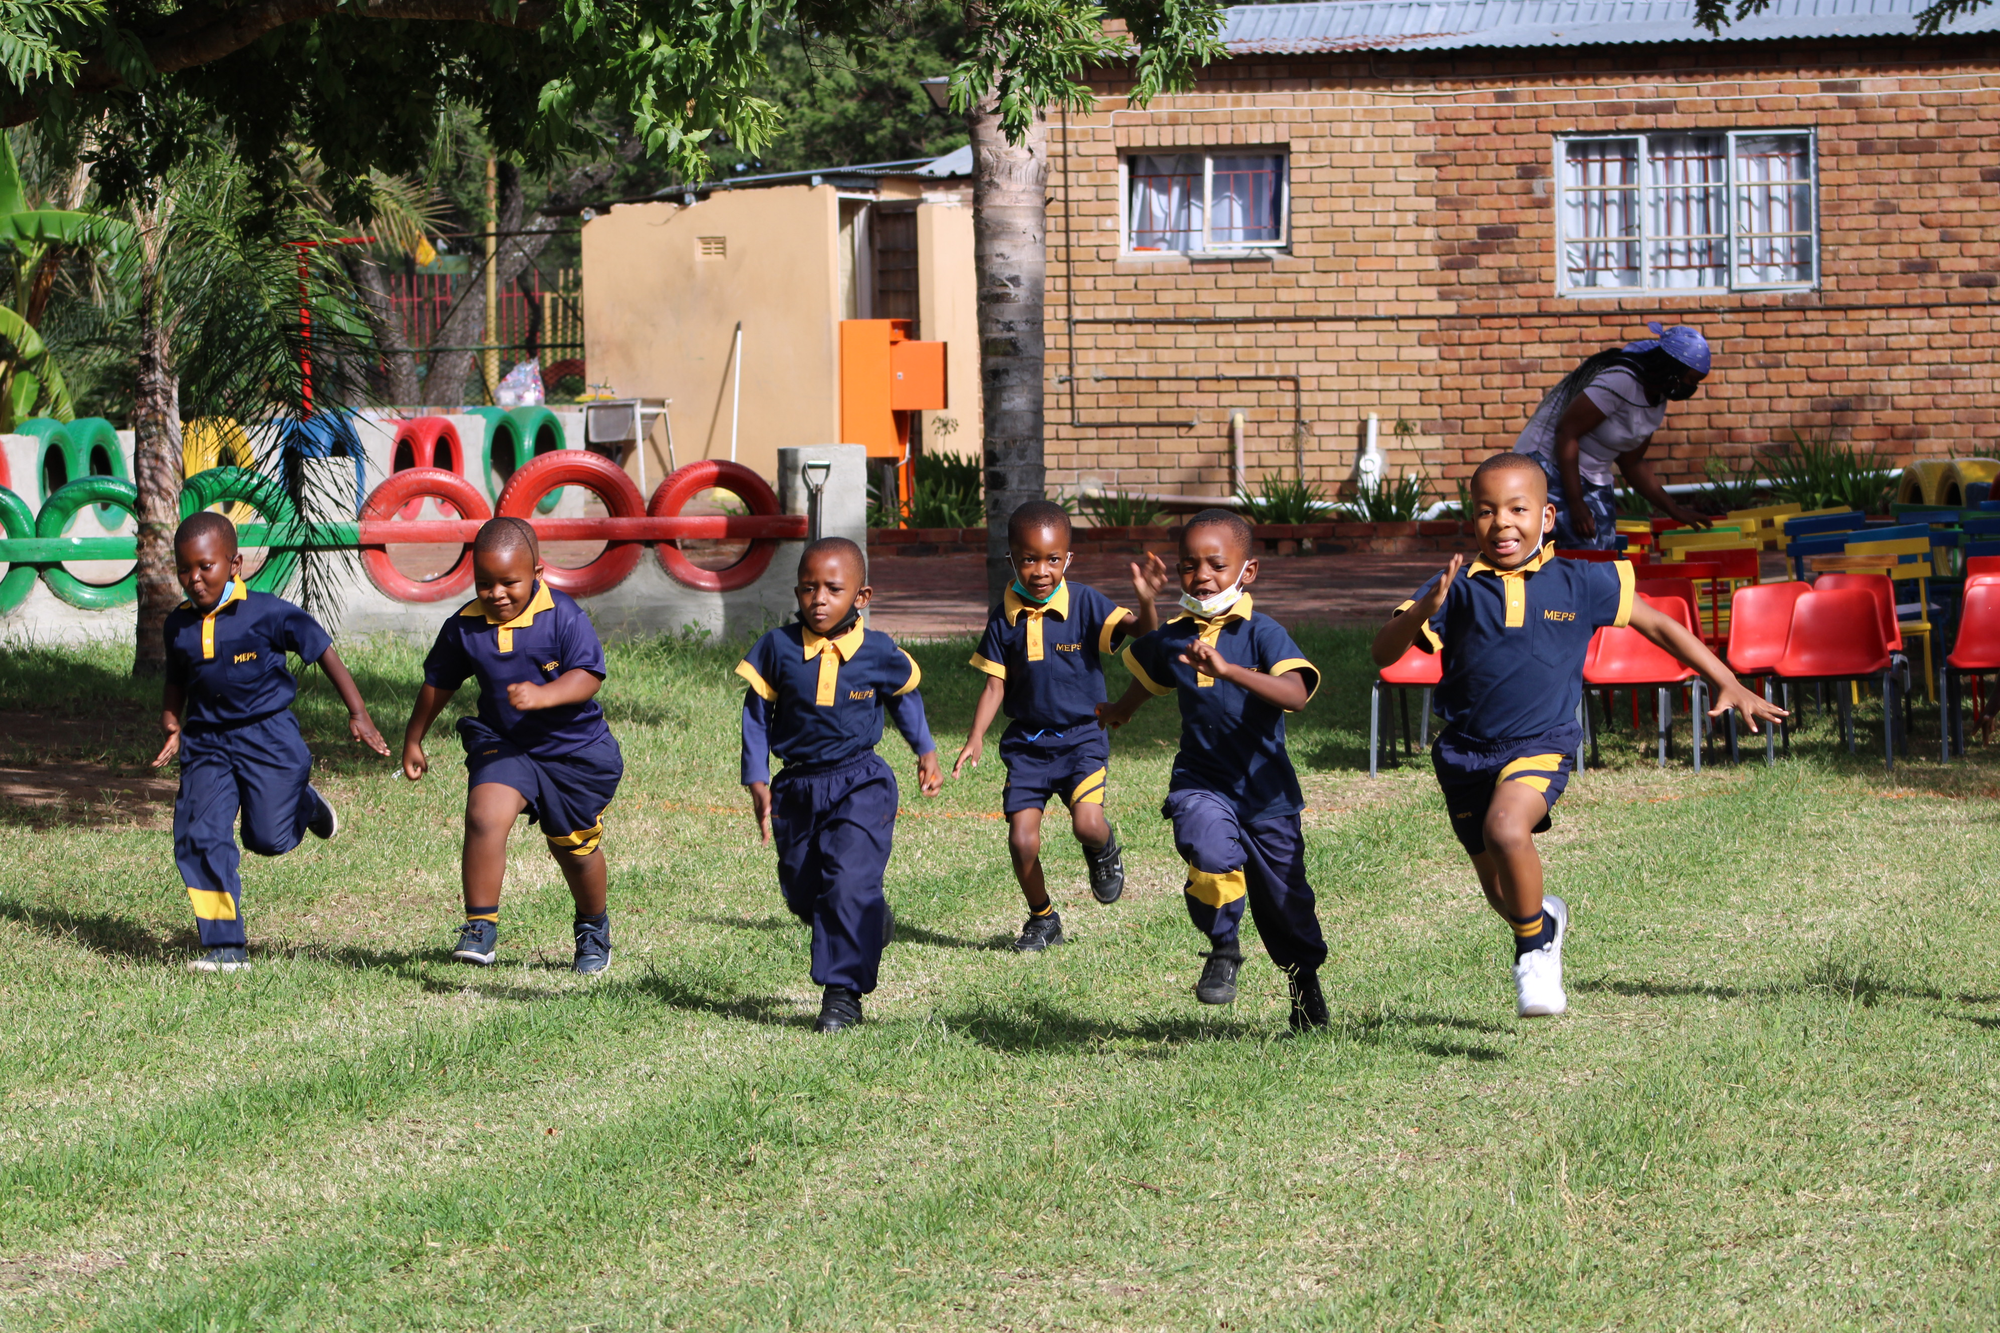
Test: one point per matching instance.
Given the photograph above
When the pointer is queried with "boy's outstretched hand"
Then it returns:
(415, 762)
(1150, 579)
(969, 753)
(760, 807)
(362, 728)
(1751, 705)
(1433, 601)
(930, 774)
(172, 726)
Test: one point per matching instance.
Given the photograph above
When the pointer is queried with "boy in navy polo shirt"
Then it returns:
(1513, 633)
(538, 744)
(1233, 796)
(818, 689)
(227, 713)
(1043, 654)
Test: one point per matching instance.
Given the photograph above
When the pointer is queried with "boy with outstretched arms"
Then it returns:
(227, 714)
(818, 689)
(1233, 796)
(1043, 654)
(538, 744)
(1513, 632)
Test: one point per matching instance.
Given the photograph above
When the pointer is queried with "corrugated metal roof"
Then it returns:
(1443, 25)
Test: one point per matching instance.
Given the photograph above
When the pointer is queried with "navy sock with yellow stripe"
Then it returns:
(483, 914)
(1532, 932)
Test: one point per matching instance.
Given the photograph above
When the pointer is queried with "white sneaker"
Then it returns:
(1538, 974)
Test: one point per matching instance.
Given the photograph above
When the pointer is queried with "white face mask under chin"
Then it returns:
(1216, 605)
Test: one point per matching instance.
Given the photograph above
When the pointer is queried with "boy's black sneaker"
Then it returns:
(326, 823)
(839, 1008)
(1308, 1004)
(477, 941)
(593, 946)
(1218, 975)
(229, 958)
(1107, 870)
(1039, 933)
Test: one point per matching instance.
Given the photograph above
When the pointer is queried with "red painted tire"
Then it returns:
(692, 480)
(403, 492)
(426, 442)
(536, 478)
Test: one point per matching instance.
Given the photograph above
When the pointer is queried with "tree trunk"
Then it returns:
(156, 467)
(1009, 217)
(401, 388)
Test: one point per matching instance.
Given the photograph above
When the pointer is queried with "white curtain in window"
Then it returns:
(1244, 195)
(1601, 213)
(1165, 206)
(1688, 231)
(1774, 224)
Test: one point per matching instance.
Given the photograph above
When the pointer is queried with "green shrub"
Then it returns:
(947, 493)
(1819, 472)
(1120, 511)
(1398, 501)
(1284, 500)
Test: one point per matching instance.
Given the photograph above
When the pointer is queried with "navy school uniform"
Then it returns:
(1051, 658)
(817, 703)
(563, 761)
(1233, 797)
(1513, 643)
(240, 745)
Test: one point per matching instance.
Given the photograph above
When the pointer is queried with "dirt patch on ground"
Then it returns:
(83, 770)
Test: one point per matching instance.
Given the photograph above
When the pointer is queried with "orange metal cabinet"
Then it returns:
(885, 375)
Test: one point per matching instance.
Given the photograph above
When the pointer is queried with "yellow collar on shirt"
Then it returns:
(1211, 627)
(831, 653)
(1013, 607)
(237, 591)
(1513, 582)
(504, 630)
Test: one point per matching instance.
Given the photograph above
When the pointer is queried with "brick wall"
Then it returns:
(1420, 279)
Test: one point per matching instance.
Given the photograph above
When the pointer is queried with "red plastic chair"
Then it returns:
(1626, 659)
(1415, 669)
(1884, 593)
(1982, 564)
(1977, 650)
(1836, 636)
(1760, 620)
(1656, 583)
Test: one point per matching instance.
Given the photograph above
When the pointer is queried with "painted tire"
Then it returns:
(212, 442)
(427, 442)
(57, 514)
(603, 478)
(243, 495)
(19, 580)
(402, 493)
(540, 432)
(326, 434)
(681, 487)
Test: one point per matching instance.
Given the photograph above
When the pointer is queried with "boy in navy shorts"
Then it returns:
(818, 689)
(1043, 653)
(1513, 633)
(538, 745)
(227, 714)
(1233, 796)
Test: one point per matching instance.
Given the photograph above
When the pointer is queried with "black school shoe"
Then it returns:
(326, 823)
(1039, 933)
(1218, 975)
(593, 946)
(1107, 870)
(477, 941)
(1308, 1004)
(839, 1008)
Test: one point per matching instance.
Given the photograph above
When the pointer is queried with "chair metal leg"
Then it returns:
(1403, 706)
(1944, 716)
(1846, 709)
(1889, 716)
(1665, 713)
(1374, 726)
(1696, 717)
(1785, 727)
(1770, 728)
(1424, 723)
(1583, 727)
(1734, 758)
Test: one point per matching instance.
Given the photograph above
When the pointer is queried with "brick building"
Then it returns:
(1430, 211)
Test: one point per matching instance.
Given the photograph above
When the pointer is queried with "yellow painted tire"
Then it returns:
(1919, 483)
(212, 442)
(1961, 475)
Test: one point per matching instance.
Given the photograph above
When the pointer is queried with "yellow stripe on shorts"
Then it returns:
(1522, 770)
(1090, 790)
(212, 904)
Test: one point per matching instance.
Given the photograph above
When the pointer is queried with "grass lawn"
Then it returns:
(1774, 1104)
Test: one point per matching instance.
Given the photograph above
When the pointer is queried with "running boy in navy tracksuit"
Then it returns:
(1233, 796)
(1043, 654)
(818, 689)
(538, 745)
(227, 713)
(1513, 633)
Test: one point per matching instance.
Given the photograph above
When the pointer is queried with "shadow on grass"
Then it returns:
(98, 932)
(905, 932)
(1378, 1028)
(1819, 981)
(1042, 1027)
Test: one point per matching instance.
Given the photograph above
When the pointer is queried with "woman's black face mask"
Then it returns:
(1680, 391)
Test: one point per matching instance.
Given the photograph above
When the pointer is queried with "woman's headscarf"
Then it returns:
(1682, 342)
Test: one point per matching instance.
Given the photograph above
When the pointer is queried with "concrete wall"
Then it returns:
(948, 312)
(660, 311)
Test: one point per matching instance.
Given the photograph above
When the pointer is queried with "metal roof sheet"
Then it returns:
(1443, 25)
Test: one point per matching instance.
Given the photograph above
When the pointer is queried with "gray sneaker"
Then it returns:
(477, 941)
(593, 946)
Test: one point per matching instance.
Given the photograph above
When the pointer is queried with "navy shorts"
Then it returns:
(1468, 773)
(566, 793)
(1071, 766)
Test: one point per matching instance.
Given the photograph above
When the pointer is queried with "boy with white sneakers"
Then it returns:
(1513, 633)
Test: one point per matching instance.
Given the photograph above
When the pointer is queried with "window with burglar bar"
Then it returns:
(1195, 203)
(1733, 210)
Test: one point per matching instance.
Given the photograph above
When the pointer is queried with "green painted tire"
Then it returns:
(538, 431)
(87, 435)
(19, 580)
(54, 520)
(224, 485)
